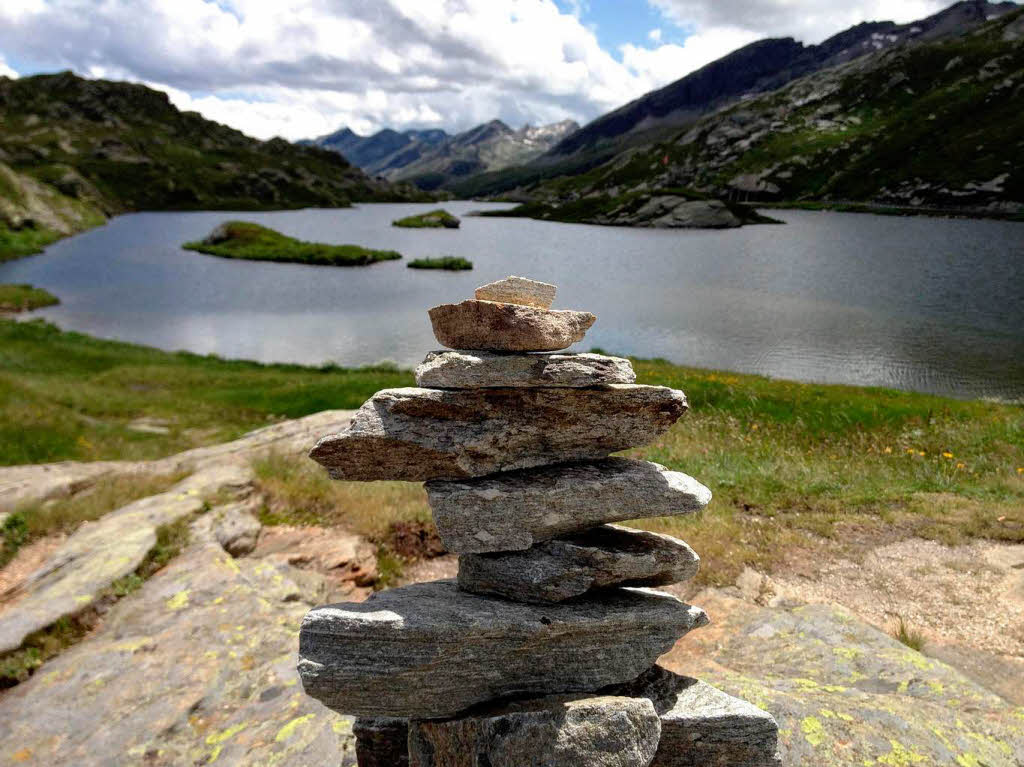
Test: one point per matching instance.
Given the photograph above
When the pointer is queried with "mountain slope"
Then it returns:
(109, 147)
(764, 66)
(432, 158)
(922, 125)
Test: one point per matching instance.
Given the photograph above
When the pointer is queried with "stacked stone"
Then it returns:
(543, 651)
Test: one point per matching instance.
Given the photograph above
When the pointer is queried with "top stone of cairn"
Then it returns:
(518, 290)
(511, 315)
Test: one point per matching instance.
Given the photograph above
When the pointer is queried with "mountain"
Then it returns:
(433, 158)
(935, 121)
(764, 66)
(73, 151)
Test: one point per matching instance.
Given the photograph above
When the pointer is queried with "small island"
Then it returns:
(435, 219)
(24, 298)
(241, 239)
(448, 263)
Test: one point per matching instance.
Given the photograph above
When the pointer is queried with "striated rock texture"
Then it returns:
(382, 742)
(485, 370)
(518, 290)
(507, 327)
(567, 567)
(702, 726)
(555, 732)
(511, 512)
(432, 651)
(422, 434)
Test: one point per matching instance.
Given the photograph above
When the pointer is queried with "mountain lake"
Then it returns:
(924, 304)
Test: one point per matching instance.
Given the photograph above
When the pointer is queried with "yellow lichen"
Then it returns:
(813, 730)
(179, 601)
(289, 729)
(901, 756)
(219, 737)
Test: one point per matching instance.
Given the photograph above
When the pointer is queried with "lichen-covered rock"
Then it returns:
(507, 327)
(845, 693)
(557, 731)
(557, 570)
(382, 742)
(100, 552)
(432, 651)
(518, 290)
(195, 667)
(487, 370)
(232, 525)
(702, 726)
(421, 434)
(513, 511)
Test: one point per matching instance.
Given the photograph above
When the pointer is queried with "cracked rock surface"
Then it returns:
(563, 568)
(415, 434)
(432, 651)
(489, 370)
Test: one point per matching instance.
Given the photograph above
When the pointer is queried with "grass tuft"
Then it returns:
(22, 298)
(449, 263)
(904, 634)
(435, 219)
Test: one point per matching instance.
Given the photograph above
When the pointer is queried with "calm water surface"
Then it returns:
(912, 303)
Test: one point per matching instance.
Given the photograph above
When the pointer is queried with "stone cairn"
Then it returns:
(543, 651)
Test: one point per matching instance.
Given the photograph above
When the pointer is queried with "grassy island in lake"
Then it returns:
(435, 219)
(241, 239)
(23, 298)
(448, 263)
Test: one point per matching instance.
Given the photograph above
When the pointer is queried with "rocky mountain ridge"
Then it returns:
(925, 125)
(74, 150)
(432, 158)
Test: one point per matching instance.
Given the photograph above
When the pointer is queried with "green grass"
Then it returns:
(16, 243)
(435, 219)
(796, 469)
(449, 263)
(252, 242)
(67, 396)
(20, 298)
(904, 634)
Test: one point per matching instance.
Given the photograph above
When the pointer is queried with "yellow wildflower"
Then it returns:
(959, 465)
(947, 454)
(888, 450)
(921, 452)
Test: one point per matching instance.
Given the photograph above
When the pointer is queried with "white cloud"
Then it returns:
(301, 68)
(6, 71)
(809, 21)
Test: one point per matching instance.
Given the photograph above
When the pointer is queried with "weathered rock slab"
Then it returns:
(100, 552)
(513, 511)
(382, 742)
(557, 731)
(702, 726)
(233, 526)
(518, 290)
(432, 651)
(557, 570)
(422, 434)
(507, 327)
(487, 370)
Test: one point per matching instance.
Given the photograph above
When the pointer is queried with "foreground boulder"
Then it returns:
(507, 327)
(421, 434)
(511, 512)
(382, 742)
(432, 651)
(487, 370)
(557, 731)
(567, 567)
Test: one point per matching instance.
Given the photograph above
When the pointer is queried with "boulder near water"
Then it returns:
(542, 651)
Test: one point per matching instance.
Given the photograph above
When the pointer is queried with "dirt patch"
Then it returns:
(414, 540)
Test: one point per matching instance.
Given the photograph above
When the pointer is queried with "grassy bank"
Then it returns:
(17, 243)
(23, 298)
(435, 219)
(448, 263)
(252, 242)
(795, 468)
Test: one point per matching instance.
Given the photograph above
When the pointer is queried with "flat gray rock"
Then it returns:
(518, 290)
(422, 434)
(513, 511)
(557, 731)
(382, 742)
(432, 651)
(557, 570)
(507, 327)
(487, 370)
(702, 726)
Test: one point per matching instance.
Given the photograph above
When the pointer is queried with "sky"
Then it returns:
(304, 68)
